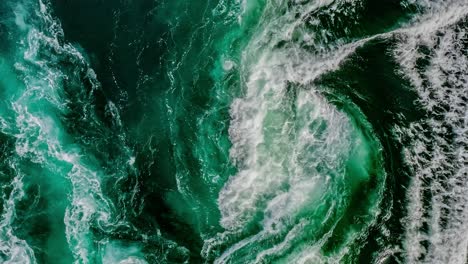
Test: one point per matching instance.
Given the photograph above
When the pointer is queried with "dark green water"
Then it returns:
(233, 131)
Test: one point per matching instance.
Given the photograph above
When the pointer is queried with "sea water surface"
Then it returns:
(233, 131)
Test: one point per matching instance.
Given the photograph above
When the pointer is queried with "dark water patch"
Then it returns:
(7, 173)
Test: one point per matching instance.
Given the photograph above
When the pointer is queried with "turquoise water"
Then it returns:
(233, 131)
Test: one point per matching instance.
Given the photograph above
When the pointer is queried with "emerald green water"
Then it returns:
(229, 131)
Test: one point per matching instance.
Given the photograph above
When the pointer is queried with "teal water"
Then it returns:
(233, 131)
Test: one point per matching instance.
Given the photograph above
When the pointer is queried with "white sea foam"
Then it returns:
(290, 145)
(276, 179)
(438, 154)
(13, 249)
(42, 139)
(120, 253)
(264, 185)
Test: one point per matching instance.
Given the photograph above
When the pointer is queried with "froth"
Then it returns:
(290, 145)
(437, 155)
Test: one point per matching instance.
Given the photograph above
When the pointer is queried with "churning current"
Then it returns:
(233, 131)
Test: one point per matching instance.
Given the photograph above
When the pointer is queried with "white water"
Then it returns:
(260, 184)
(438, 155)
(283, 186)
(290, 145)
(41, 138)
(14, 249)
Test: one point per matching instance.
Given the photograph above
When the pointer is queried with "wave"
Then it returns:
(434, 59)
(48, 158)
(261, 199)
(270, 162)
(299, 158)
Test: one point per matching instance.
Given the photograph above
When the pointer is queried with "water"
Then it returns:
(233, 131)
